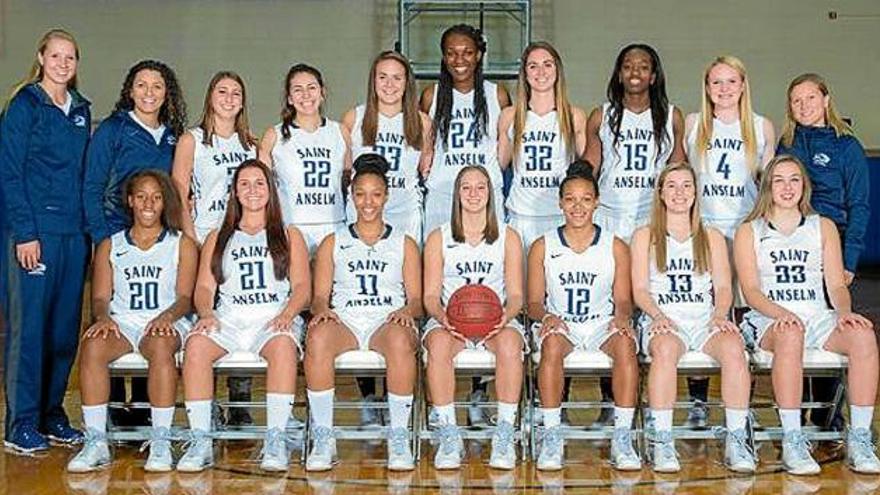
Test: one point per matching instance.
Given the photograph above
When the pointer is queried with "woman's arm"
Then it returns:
(593, 151)
(427, 156)
(505, 145)
(323, 280)
(264, 151)
(622, 290)
(181, 173)
(433, 273)
(513, 276)
(579, 119)
(746, 262)
(187, 268)
(722, 284)
(102, 325)
(537, 286)
(299, 276)
(678, 154)
(412, 284)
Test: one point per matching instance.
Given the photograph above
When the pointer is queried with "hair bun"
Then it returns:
(371, 163)
(581, 169)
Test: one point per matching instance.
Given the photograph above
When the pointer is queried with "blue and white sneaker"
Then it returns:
(26, 440)
(551, 456)
(58, 430)
(623, 455)
(323, 453)
(450, 447)
(503, 451)
(400, 457)
(738, 455)
(160, 459)
(665, 457)
(199, 453)
(796, 458)
(860, 456)
(94, 455)
(275, 455)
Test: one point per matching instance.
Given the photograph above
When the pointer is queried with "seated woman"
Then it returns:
(682, 283)
(142, 287)
(579, 291)
(367, 295)
(473, 249)
(259, 274)
(788, 258)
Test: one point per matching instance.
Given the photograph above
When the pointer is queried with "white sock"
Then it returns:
(623, 417)
(735, 418)
(321, 405)
(552, 416)
(278, 410)
(791, 419)
(162, 416)
(662, 419)
(446, 414)
(399, 408)
(199, 414)
(507, 412)
(95, 417)
(861, 416)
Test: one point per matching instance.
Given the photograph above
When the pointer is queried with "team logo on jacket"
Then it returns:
(821, 159)
(171, 140)
(79, 121)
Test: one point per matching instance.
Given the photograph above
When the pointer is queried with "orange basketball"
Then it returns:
(474, 310)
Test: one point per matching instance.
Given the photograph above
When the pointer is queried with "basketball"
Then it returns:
(474, 310)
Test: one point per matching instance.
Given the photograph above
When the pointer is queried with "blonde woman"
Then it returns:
(681, 282)
(788, 258)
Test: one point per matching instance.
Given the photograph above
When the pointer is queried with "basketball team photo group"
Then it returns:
(462, 251)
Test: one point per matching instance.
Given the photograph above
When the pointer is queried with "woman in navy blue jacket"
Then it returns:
(140, 134)
(44, 131)
(835, 161)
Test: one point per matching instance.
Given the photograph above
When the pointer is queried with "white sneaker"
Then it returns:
(160, 459)
(796, 456)
(323, 453)
(738, 455)
(275, 455)
(450, 447)
(665, 457)
(400, 457)
(94, 455)
(199, 453)
(550, 458)
(503, 451)
(860, 456)
(623, 455)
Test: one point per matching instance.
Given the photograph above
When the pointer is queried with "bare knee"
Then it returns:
(156, 349)
(553, 350)
(789, 343)
(622, 348)
(665, 349)
(93, 353)
(279, 350)
(400, 343)
(319, 343)
(441, 347)
(198, 353)
(508, 346)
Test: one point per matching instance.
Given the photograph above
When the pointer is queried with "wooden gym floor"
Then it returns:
(362, 466)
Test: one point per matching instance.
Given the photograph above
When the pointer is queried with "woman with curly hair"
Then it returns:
(139, 134)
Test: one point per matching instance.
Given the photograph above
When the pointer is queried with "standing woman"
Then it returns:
(391, 124)
(311, 157)
(579, 291)
(140, 134)
(465, 110)
(728, 144)
(208, 154)
(631, 138)
(258, 272)
(681, 282)
(474, 248)
(367, 295)
(790, 266)
(835, 161)
(142, 287)
(542, 133)
(44, 131)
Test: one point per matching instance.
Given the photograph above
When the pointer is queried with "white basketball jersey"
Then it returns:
(143, 281)
(367, 278)
(629, 168)
(791, 267)
(403, 160)
(579, 287)
(249, 274)
(309, 168)
(212, 171)
(728, 190)
(463, 145)
(465, 264)
(683, 295)
(539, 167)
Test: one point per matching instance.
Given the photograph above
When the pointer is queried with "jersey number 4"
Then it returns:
(457, 137)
